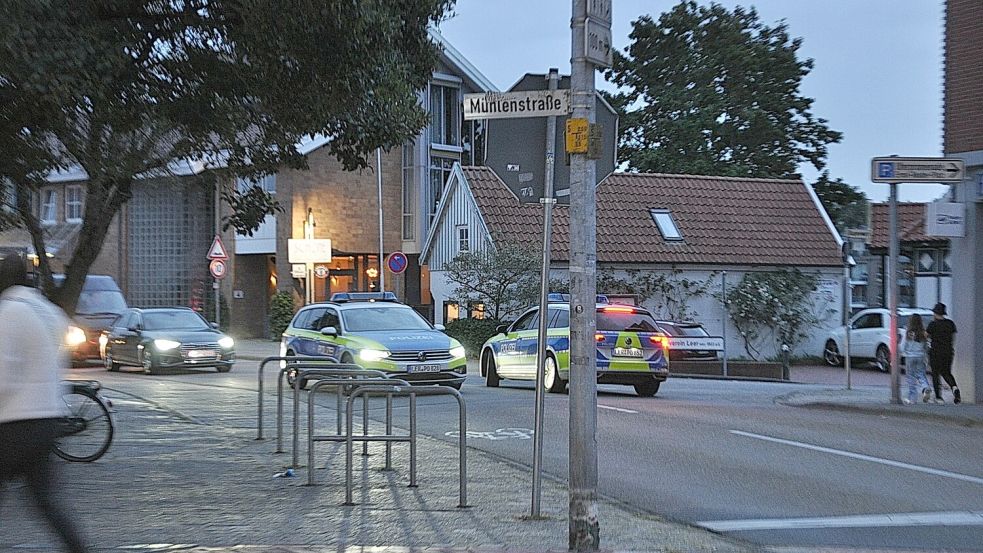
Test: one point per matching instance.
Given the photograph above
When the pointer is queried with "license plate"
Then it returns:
(201, 353)
(424, 368)
(628, 352)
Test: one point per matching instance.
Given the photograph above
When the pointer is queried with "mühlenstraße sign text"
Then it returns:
(917, 169)
(511, 105)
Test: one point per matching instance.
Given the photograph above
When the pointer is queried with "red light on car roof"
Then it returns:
(615, 309)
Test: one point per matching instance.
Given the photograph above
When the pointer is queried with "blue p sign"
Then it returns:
(885, 170)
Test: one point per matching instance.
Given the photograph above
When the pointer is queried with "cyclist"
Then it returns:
(32, 357)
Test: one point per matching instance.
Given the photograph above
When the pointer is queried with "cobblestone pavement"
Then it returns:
(185, 473)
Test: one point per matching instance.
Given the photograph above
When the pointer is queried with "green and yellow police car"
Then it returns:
(375, 331)
(631, 348)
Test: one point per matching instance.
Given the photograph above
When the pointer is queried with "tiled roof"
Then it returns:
(723, 220)
(911, 224)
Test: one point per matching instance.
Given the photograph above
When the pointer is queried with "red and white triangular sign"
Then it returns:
(217, 251)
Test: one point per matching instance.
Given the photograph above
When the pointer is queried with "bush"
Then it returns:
(281, 312)
(472, 333)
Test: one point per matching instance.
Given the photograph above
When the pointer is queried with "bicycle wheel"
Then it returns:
(87, 431)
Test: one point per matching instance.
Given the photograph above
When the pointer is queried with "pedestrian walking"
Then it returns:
(32, 335)
(914, 349)
(941, 333)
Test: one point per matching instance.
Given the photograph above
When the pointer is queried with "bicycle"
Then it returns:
(87, 430)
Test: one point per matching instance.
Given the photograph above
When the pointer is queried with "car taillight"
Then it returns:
(599, 338)
(660, 341)
(614, 309)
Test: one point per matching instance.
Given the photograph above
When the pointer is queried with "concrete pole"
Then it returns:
(583, 516)
(723, 288)
(548, 201)
(847, 301)
(892, 279)
(378, 172)
(215, 282)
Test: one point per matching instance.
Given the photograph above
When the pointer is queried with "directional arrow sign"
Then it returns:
(917, 169)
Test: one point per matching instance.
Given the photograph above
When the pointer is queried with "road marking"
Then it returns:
(618, 409)
(860, 456)
(945, 518)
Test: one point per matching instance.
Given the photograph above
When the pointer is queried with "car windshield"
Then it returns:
(619, 319)
(100, 302)
(173, 320)
(383, 318)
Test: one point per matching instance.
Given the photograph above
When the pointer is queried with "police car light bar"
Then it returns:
(343, 297)
(554, 297)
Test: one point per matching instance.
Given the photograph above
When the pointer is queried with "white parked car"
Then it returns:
(869, 332)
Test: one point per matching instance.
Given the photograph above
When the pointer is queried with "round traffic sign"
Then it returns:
(397, 262)
(218, 268)
(320, 271)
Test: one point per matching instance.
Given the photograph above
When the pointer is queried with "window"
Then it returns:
(529, 321)
(73, 204)
(313, 319)
(667, 226)
(445, 118)
(463, 245)
(452, 311)
(49, 207)
(559, 318)
(409, 204)
(440, 171)
(266, 183)
(477, 310)
(871, 320)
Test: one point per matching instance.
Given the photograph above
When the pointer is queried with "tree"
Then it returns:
(122, 89)
(846, 206)
(713, 92)
(672, 292)
(504, 279)
(775, 307)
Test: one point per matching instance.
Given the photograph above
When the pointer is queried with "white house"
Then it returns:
(699, 226)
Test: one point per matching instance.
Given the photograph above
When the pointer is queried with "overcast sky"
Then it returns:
(877, 75)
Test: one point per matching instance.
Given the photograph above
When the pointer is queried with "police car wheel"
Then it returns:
(648, 388)
(491, 374)
(551, 380)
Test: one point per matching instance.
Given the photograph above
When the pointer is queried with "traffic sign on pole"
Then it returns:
(397, 262)
(217, 250)
(218, 268)
(917, 169)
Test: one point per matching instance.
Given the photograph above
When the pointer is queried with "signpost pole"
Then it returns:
(584, 525)
(723, 286)
(892, 278)
(847, 301)
(548, 201)
(378, 170)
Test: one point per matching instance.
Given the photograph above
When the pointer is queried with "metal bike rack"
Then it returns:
(290, 360)
(313, 372)
(342, 383)
(394, 390)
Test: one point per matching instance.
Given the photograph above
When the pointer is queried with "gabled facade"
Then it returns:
(701, 226)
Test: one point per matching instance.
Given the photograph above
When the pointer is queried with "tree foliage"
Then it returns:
(671, 292)
(715, 92)
(505, 279)
(123, 89)
(774, 307)
(846, 205)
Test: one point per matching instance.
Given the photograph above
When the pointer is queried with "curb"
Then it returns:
(874, 409)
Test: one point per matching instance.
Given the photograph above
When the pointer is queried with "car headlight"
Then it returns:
(74, 336)
(372, 354)
(165, 345)
(226, 342)
(458, 352)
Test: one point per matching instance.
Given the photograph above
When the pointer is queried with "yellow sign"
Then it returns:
(578, 133)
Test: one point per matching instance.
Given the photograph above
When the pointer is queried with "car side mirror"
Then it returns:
(501, 329)
(440, 327)
(329, 331)
(133, 328)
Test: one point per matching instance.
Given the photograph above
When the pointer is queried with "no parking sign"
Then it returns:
(397, 262)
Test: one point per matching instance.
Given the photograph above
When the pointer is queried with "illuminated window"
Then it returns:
(452, 311)
(73, 204)
(667, 226)
(477, 311)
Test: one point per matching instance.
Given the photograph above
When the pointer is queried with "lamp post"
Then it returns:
(309, 225)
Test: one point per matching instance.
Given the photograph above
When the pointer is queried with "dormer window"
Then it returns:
(667, 225)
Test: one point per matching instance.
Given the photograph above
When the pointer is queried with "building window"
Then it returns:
(445, 118)
(477, 310)
(49, 207)
(440, 171)
(73, 204)
(409, 233)
(266, 183)
(667, 226)
(463, 244)
(452, 311)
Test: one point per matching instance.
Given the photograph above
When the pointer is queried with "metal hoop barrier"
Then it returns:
(288, 360)
(390, 391)
(314, 372)
(347, 383)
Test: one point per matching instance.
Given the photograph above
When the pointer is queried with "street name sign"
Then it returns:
(513, 105)
(917, 169)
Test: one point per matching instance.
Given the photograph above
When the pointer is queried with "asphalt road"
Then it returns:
(720, 454)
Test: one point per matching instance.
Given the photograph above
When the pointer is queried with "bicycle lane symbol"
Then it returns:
(499, 434)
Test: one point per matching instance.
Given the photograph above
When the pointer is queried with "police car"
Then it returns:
(631, 348)
(375, 331)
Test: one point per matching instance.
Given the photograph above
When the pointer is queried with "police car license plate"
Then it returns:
(423, 369)
(627, 352)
